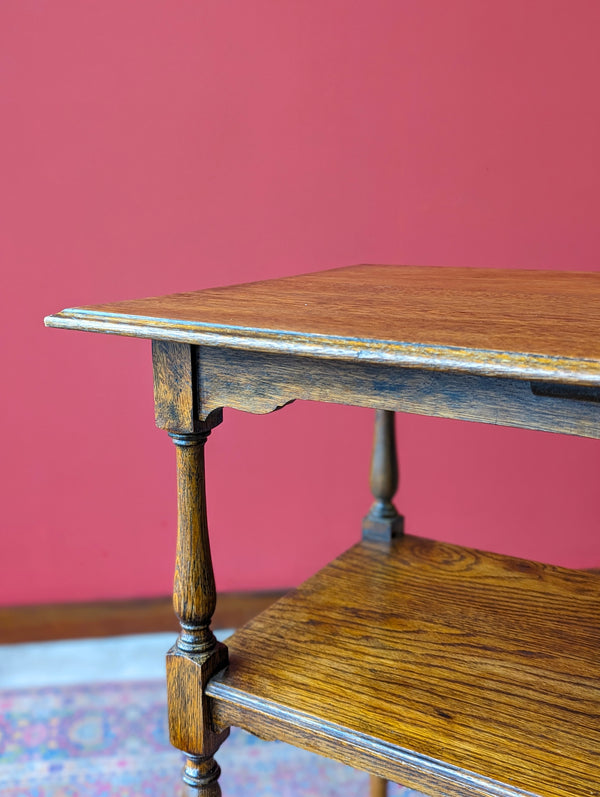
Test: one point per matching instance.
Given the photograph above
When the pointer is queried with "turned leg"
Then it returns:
(196, 655)
(378, 786)
(383, 521)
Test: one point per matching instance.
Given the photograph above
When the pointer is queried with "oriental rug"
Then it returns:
(109, 739)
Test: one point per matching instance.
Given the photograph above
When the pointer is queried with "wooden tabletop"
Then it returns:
(524, 324)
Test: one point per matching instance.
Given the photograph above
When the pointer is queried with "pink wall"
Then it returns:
(151, 147)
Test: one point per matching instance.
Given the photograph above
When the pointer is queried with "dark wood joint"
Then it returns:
(568, 392)
(176, 402)
(191, 726)
(382, 529)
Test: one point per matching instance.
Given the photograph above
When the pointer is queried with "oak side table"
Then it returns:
(447, 669)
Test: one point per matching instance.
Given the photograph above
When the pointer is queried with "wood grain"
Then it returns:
(432, 665)
(196, 655)
(174, 370)
(190, 721)
(260, 383)
(194, 591)
(524, 324)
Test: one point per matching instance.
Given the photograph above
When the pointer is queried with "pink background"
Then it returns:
(150, 147)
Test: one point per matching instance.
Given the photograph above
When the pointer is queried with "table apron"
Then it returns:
(260, 382)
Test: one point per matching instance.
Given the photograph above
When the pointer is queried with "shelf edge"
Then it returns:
(268, 719)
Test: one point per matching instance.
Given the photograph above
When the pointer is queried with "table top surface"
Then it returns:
(524, 324)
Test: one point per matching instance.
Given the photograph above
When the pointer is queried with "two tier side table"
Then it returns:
(453, 671)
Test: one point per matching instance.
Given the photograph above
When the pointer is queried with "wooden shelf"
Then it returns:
(443, 668)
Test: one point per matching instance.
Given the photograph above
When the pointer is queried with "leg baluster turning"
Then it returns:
(383, 521)
(203, 774)
(196, 656)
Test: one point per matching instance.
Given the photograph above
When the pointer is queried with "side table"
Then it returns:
(453, 671)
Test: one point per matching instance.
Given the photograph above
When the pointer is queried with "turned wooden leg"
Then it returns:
(383, 521)
(378, 787)
(196, 656)
(194, 593)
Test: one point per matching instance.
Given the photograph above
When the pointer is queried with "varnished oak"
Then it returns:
(459, 673)
(194, 591)
(524, 324)
(260, 383)
(443, 668)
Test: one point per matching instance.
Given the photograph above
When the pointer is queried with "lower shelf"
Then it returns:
(446, 669)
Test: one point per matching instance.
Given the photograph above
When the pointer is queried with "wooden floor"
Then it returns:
(111, 618)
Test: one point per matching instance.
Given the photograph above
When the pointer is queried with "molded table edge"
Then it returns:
(247, 706)
(519, 365)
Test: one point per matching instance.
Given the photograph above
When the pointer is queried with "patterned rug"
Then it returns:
(110, 740)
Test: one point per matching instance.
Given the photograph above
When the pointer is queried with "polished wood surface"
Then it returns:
(446, 669)
(526, 324)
